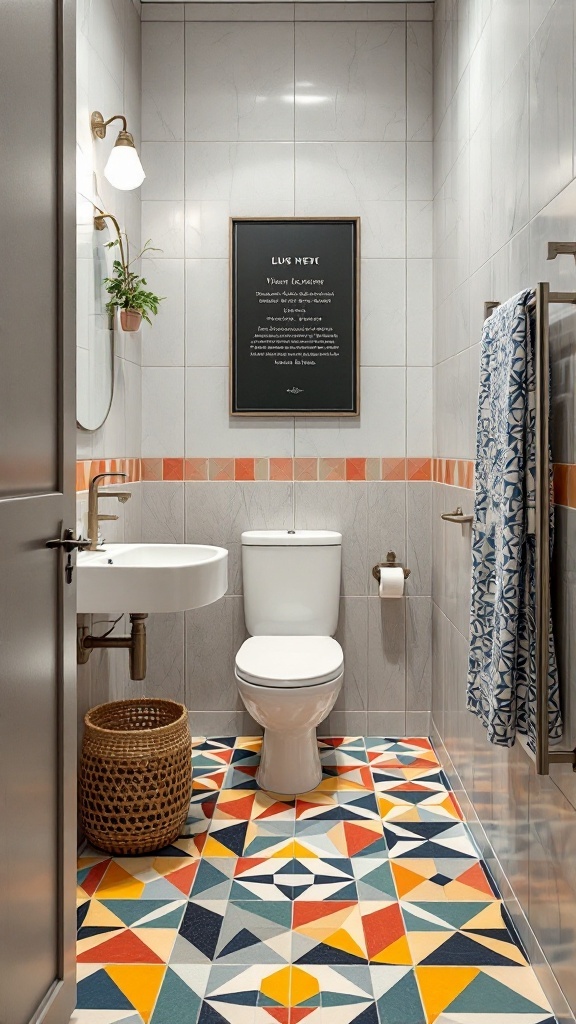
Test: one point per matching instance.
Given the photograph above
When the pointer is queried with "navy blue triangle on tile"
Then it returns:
(323, 954)
(232, 837)
(81, 912)
(242, 940)
(89, 930)
(201, 928)
(98, 992)
(461, 951)
(208, 1015)
(369, 1015)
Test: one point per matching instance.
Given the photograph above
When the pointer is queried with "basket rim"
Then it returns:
(135, 701)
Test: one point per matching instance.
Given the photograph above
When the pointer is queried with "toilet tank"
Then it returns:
(291, 582)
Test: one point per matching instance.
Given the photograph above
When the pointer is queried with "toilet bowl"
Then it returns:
(289, 684)
(290, 670)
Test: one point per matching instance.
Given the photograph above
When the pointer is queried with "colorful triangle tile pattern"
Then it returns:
(363, 902)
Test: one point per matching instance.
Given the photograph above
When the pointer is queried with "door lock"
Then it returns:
(69, 543)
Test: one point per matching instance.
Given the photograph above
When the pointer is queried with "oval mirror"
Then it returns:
(94, 329)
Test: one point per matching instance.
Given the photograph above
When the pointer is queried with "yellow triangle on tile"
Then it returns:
(283, 851)
(215, 849)
(277, 986)
(422, 944)
(99, 916)
(140, 984)
(303, 851)
(439, 986)
(507, 949)
(488, 917)
(396, 953)
(118, 884)
(343, 940)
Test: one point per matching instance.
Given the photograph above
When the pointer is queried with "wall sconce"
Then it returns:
(123, 168)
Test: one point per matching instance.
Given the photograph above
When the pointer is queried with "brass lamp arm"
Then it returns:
(99, 125)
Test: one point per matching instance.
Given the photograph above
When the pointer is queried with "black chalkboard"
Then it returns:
(294, 317)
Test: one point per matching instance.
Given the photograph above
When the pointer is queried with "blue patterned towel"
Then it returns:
(502, 665)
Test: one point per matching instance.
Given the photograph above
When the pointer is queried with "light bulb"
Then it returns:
(123, 169)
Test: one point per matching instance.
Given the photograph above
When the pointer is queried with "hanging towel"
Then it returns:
(502, 662)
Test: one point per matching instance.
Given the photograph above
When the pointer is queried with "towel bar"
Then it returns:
(457, 516)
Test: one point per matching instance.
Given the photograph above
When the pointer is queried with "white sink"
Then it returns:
(151, 577)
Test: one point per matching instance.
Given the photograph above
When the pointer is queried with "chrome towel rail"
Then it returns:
(543, 298)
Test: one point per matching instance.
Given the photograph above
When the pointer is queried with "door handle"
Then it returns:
(69, 543)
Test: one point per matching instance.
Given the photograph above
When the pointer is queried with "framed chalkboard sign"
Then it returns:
(294, 316)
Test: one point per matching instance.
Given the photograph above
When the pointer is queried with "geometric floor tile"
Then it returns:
(362, 902)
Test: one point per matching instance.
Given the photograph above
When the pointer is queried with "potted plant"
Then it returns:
(127, 290)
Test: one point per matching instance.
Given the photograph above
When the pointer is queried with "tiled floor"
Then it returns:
(364, 902)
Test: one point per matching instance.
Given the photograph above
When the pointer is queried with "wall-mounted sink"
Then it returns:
(151, 577)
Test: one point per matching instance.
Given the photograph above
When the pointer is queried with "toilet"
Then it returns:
(290, 670)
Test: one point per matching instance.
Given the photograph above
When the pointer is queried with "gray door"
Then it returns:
(37, 431)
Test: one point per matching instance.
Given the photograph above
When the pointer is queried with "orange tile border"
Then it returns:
(244, 469)
(221, 469)
(393, 469)
(355, 469)
(195, 469)
(172, 469)
(331, 469)
(151, 469)
(305, 469)
(419, 469)
(281, 469)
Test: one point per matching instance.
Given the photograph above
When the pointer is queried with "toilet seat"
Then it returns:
(289, 661)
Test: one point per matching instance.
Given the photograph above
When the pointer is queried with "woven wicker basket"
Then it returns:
(135, 775)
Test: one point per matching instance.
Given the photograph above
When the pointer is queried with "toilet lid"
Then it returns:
(286, 661)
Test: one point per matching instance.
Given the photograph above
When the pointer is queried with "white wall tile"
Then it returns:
(162, 411)
(419, 79)
(207, 317)
(162, 82)
(379, 430)
(164, 166)
(354, 11)
(350, 172)
(163, 224)
(419, 170)
(239, 82)
(383, 297)
(163, 342)
(419, 312)
(211, 431)
(419, 410)
(242, 11)
(163, 12)
(350, 82)
(419, 229)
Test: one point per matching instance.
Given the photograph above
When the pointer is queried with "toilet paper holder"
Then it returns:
(390, 563)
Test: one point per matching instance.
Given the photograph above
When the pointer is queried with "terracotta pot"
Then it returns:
(130, 320)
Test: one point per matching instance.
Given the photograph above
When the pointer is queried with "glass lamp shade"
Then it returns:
(123, 169)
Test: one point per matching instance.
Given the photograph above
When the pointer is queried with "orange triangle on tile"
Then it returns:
(439, 986)
(405, 879)
(297, 1013)
(184, 877)
(139, 984)
(95, 876)
(244, 863)
(358, 837)
(342, 940)
(238, 809)
(119, 884)
(476, 878)
(396, 953)
(123, 948)
(279, 1013)
(273, 809)
(306, 912)
(382, 927)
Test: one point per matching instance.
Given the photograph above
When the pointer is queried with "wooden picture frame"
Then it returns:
(295, 316)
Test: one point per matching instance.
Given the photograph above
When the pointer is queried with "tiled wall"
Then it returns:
(503, 187)
(282, 109)
(108, 79)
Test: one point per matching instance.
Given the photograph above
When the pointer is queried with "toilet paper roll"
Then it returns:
(391, 583)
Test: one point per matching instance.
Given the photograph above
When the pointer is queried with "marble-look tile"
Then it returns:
(386, 654)
(222, 723)
(510, 32)
(551, 105)
(163, 12)
(418, 723)
(353, 11)
(419, 79)
(239, 81)
(162, 512)
(419, 410)
(344, 723)
(213, 636)
(510, 155)
(420, 11)
(378, 431)
(419, 312)
(419, 229)
(350, 81)
(164, 166)
(163, 82)
(386, 525)
(212, 432)
(163, 340)
(386, 723)
(350, 172)
(218, 513)
(480, 77)
(419, 170)
(419, 538)
(165, 655)
(352, 634)
(452, 389)
(341, 507)
(481, 207)
(418, 654)
(384, 310)
(242, 11)
(163, 224)
(162, 411)
(207, 315)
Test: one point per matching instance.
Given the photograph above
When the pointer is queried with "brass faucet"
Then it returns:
(94, 516)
